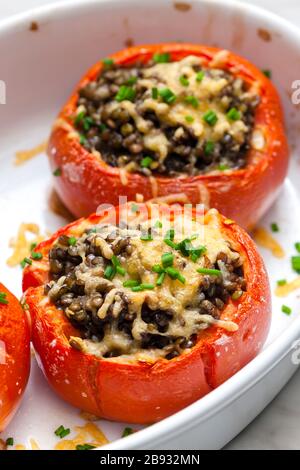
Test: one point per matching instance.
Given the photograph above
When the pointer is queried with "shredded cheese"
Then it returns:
(265, 240)
(34, 445)
(288, 288)
(90, 434)
(20, 447)
(25, 155)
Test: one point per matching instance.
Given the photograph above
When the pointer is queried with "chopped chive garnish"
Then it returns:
(296, 263)
(154, 93)
(157, 269)
(25, 261)
(146, 162)
(36, 256)
(237, 295)
(192, 100)
(170, 243)
(209, 147)
(117, 265)
(79, 117)
(147, 286)
(297, 246)
(274, 227)
(233, 114)
(3, 299)
(267, 73)
(85, 447)
(146, 237)
(197, 252)
(210, 272)
(131, 80)
(135, 208)
(108, 61)
(87, 122)
(161, 58)
(185, 247)
(170, 234)
(109, 272)
(189, 119)
(136, 289)
(131, 283)
(281, 282)
(167, 95)
(210, 117)
(102, 127)
(223, 167)
(72, 241)
(127, 431)
(9, 441)
(62, 432)
(57, 172)
(200, 75)
(167, 259)
(160, 279)
(172, 272)
(82, 139)
(158, 224)
(285, 309)
(115, 261)
(121, 270)
(125, 93)
(175, 274)
(181, 278)
(184, 81)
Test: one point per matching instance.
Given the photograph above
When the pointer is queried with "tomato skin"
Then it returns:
(14, 356)
(243, 195)
(139, 392)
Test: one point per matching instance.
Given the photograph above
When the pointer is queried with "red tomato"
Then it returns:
(14, 355)
(145, 392)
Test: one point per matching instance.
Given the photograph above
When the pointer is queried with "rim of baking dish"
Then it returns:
(252, 373)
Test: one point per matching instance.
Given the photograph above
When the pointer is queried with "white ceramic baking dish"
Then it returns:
(43, 53)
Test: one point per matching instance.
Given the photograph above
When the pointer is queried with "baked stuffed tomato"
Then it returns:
(14, 355)
(135, 315)
(171, 119)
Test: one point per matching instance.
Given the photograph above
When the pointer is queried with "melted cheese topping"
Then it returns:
(181, 299)
(207, 92)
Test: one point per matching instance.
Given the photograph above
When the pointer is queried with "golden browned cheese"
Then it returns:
(172, 295)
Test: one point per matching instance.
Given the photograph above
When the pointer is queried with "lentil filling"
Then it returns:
(168, 118)
(144, 290)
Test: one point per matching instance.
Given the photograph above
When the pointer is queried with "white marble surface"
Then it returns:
(278, 426)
